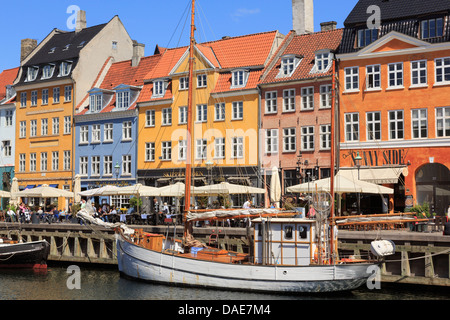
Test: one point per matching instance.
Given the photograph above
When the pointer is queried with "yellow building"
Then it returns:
(53, 78)
(225, 112)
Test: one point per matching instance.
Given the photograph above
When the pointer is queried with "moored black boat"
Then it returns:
(24, 255)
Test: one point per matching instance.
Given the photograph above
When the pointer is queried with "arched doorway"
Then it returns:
(433, 186)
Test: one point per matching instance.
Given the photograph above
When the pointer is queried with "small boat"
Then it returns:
(29, 255)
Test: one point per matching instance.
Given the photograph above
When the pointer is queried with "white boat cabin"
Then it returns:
(287, 241)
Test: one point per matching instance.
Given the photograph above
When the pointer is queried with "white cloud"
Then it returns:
(243, 12)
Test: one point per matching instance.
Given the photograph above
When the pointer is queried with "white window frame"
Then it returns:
(55, 160)
(289, 100)
(219, 148)
(108, 132)
(55, 126)
(96, 133)
(23, 129)
(166, 150)
(65, 68)
(323, 61)
(32, 73)
(166, 119)
(219, 111)
(47, 71)
(22, 162)
(84, 134)
(396, 125)
(271, 102)
(123, 99)
(33, 128)
(395, 74)
(239, 78)
(445, 66)
(325, 96)
(183, 83)
(44, 96)
(9, 116)
(182, 150)
(150, 151)
(373, 77)
(418, 118)
(150, 118)
(201, 149)
(307, 94)
(23, 99)
(325, 137)
(373, 126)
(44, 127)
(67, 93)
(159, 88)
(33, 162)
(95, 166)
(202, 113)
(182, 115)
(237, 110)
(127, 131)
(289, 139)
(67, 160)
(67, 124)
(417, 68)
(44, 162)
(34, 98)
(443, 121)
(202, 81)
(438, 32)
(84, 163)
(56, 95)
(351, 127)
(308, 143)
(7, 148)
(127, 165)
(96, 102)
(237, 147)
(271, 145)
(351, 75)
(107, 166)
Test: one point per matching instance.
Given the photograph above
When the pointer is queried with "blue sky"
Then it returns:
(155, 22)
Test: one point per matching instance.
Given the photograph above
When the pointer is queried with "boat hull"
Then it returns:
(24, 255)
(147, 265)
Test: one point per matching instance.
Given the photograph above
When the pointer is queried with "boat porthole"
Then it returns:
(285, 272)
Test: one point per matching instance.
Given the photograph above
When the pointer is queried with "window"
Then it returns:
(10, 92)
(308, 98)
(395, 71)
(239, 78)
(396, 124)
(34, 97)
(95, 166)
(373, 126)
(33, 128)
(271, 102)
(7, 148)
(150, 118)
(108, 132)
(114, 45)
(66, 160)
(23, 129)
(322, 61)
(55, 126)
(182, 115)
(325, 137)
(351, 78)
(201, 147)
(65, 68)
(67, 124)
(56, 95)
(126, 165)
(202, 81)
(159, 88)
(9, 114)
(166, 152)
(96, 102)
(432, 28)
(84, 166)
(67, 93)
(325, 96)
(166, 116)
(202, 113)
(288, 65)
(43, 161)
(373, 77)
(182, 149)
(288, 232)
(366, 37)
(418, 73)
(184, 83)
(352, 127)
(84, 134)
(219, 148)
(45, 96)
(289, 100)
(22, 162)
(289, 140)
(123, 99)
(32, 73)
(95, 133)
(126, 130)
(308, 138)
(33, 162)
(150, 151)
(443, 122)
(237, 110)
(23, 99)
(107, 166)
(237, 147)
(219, 112)
(55, 160)
(442, 68)
(44, 127)
(47, 72)
(419, 123)
(272, 141)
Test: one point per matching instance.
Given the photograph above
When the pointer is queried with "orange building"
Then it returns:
(393, 105)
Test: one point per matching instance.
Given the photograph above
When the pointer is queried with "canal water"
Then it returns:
(61, 282)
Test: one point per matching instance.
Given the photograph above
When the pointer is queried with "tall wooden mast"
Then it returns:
(189, 137)
(332, 151)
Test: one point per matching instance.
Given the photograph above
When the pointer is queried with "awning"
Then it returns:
(53, 185)
(374, 175)
(30, 186)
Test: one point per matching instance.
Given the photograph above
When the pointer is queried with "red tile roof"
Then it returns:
(306, 46)
(7, 77)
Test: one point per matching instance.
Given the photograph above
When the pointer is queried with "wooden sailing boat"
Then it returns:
(289, 254)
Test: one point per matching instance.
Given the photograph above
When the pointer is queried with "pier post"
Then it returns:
(406, 270)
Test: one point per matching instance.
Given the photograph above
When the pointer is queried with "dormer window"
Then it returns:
(95, 104)
(47, 71)
(159, 88)
(239, 78)
(322, 61)
(52, 50)
(66, 47)
(288, 65)
(65, 68)
(123, 99)
(10, 92)
(81, 45)
(366, 37)
(432, 28)
(32, 73)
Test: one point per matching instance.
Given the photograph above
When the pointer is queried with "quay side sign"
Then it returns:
(375, 158)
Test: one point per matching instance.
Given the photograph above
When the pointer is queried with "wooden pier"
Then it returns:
(420, 258)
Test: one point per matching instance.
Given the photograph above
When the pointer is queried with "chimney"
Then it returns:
(138, 53)
(26, 46)
(81, 21)
(328, 26)
(303, 16)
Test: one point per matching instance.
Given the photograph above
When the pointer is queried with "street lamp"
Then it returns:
(358, 165)
(117, 170)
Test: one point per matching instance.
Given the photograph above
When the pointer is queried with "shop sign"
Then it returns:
(375, 158)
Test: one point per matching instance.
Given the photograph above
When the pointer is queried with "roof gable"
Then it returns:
(7, 77)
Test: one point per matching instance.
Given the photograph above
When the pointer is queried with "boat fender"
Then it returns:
(382, 248)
